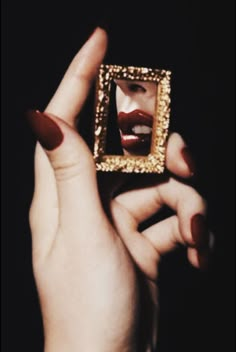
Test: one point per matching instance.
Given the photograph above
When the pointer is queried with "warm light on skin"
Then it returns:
(136, 95)
(131, 95)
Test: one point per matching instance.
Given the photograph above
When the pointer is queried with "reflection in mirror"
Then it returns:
(136, 104)
(130, 119)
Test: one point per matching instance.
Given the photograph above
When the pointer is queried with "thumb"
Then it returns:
(73, 166)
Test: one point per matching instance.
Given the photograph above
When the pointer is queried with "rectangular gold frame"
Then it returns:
(154, 162)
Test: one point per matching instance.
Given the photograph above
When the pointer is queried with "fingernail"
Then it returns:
(204, 261)
(199, 231)
(45, 129)
(189, 160)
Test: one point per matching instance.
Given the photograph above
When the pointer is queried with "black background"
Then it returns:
(196, 41)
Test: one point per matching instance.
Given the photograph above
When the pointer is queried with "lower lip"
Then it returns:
(136, 143)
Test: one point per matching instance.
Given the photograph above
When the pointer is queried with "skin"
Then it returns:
(85, 262)
(131, 95)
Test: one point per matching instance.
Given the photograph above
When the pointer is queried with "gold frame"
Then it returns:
(154, 162)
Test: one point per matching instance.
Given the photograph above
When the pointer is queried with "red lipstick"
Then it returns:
(136, 131)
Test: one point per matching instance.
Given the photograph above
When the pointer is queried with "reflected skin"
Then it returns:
(135, 102)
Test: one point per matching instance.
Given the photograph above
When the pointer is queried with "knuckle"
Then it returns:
(194, 200)
(82, 76)
(66, 171)
(71, 166)
(200, 203)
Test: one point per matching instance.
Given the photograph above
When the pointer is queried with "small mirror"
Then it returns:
(131, 119)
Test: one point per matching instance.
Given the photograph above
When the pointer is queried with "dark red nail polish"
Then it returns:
(204, 261)
(46, 130)
(199, 231)
(189, 160)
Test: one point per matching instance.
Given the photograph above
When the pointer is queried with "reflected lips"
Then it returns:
(135, 131)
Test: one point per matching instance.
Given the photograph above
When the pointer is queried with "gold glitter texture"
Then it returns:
(153, 162)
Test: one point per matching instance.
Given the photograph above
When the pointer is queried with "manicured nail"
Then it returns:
(189, 160)
(46, 130)
(204, 261)
(199, 231)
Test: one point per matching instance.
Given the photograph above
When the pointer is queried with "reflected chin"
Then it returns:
(142, 153)
(136, 145)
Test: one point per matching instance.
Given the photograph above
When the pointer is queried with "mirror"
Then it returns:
(131, 118)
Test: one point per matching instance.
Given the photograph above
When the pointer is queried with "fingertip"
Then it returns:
(99, 34)
(102, 31)
(91, 55)
(199, 231)
(189, 161)
(199, 259)
(179, 159)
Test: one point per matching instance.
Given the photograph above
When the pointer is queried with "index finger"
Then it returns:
(66, 104)
(178, 158)
(74, 87)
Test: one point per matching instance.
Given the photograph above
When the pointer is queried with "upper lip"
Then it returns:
(136, 117)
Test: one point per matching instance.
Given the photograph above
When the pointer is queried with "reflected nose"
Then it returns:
(130, 101)
(125, 102)
(128, 104)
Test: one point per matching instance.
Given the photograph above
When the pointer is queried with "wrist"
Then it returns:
(75, 345)
(76, 339)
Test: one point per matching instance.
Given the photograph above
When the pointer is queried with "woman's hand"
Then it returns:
(87, 264)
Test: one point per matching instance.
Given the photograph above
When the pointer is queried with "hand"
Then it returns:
(90, 268)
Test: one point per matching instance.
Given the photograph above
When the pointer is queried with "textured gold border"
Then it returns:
(153, 162)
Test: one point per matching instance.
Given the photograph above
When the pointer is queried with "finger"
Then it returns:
(165, 236)
(74, 171)
(66, 102)
(142, 251)
(110, 183)
(179, 160)
(146, 200)
(140, 203)
(199, 258)
(183, 199)
(189, 206)
(45, 200)
(73, 90)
